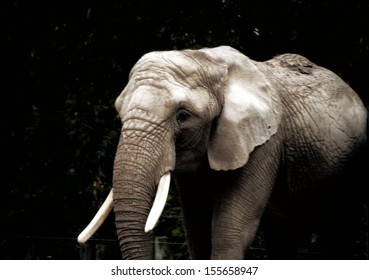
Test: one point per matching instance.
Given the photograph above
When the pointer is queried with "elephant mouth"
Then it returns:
(152, 219)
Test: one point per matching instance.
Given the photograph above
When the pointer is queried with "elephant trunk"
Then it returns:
(130, 215)
(140, 163)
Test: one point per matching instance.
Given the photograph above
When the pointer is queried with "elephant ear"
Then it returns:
(249, 116)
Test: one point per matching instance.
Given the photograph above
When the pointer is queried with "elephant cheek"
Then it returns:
(189, 166)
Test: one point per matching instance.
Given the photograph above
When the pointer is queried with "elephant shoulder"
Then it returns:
(293, 62)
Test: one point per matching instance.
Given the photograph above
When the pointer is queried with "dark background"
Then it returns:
(65, 62)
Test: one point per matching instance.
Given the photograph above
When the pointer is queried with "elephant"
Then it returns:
(242, 140)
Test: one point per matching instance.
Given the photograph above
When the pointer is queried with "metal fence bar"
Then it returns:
(35, 247)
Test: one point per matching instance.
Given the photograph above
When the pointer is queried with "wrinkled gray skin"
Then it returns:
(224, 126)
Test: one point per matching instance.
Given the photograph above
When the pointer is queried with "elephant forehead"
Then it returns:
(162, 100)
(164, 81)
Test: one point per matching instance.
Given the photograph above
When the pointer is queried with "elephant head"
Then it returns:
(179, 110)
(183, 110)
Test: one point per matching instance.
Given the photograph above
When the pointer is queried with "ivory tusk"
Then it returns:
(159, 202)
(97, 221)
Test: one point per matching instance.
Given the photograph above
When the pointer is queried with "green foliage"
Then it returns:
(171, 227)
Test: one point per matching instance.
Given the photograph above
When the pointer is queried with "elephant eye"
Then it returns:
(182, 116)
